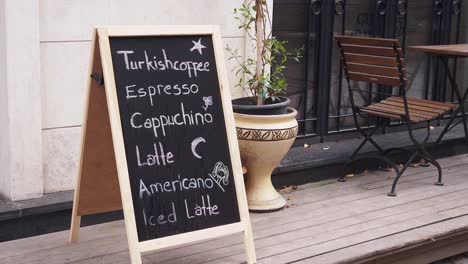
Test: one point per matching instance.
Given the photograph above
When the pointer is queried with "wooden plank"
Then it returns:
(413, 106)
(328, 231)
(340, 207)
(460, 50)
(234, 151)
(191, 237)
(381, 42)
(397, 242)
(307, 201)
(323, 217)
(301, 249)
(322, 189)
(371, 50)
(44, 243)
(73, 252)
(412, 111)
(296, 214)
(378, 79)
(373, 69)
(97, 180)
(433, 102)
(378, 113)
(372, 60)
(118, 146)
(119, 257)
(401, 111)
(427, 176)
(282, 221)
(160, 30)
(293, 214)
(425, 103)
(421, 251)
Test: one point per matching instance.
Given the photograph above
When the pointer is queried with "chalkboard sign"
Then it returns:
(174, 132)
(165, 113)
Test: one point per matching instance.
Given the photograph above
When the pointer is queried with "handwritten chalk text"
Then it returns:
(181, 184)
(159, 123)
(151, 63)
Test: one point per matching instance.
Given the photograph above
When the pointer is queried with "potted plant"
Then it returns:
(266, 126)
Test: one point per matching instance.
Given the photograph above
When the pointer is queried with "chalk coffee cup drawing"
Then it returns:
(220, 175)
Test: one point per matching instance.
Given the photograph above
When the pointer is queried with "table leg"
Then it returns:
(461, 102)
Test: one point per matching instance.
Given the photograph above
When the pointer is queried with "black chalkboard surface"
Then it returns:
(174, 134)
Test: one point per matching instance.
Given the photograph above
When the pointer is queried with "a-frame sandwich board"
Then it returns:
(103, 182)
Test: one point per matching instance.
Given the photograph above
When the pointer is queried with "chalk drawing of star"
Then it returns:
(197, 46)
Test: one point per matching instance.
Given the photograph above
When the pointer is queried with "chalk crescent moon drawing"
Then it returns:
(195, 143)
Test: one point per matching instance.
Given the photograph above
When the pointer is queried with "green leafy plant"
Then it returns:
(261, 75)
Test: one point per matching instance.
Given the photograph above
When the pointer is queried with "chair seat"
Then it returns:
(419, 109)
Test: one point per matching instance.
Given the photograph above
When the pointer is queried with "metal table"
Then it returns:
(443, 53)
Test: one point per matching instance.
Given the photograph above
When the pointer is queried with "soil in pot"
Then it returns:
(247, 105)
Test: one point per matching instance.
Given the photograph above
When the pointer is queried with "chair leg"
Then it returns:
(432, 160)
(465, 126)
(367, 138)
(446, 128)
(400, 172)
(425, 154)
(343, 174)
(424, 164)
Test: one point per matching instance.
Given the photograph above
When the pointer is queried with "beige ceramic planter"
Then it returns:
(263, 142)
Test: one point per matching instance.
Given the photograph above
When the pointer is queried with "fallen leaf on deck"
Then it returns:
(288, 189)
(290, 205)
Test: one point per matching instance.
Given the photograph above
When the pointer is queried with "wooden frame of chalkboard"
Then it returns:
(104, 153)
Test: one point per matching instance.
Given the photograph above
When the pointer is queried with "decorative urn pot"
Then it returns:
(263, 142)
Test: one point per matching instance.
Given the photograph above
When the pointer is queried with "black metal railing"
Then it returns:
(316, 85)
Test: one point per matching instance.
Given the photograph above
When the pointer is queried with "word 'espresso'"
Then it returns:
(151, 63)
(151, 91)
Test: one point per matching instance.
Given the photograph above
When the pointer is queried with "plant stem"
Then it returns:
(259, 32)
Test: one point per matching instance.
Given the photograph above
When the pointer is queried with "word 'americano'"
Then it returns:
(153, 64)
(181, 184)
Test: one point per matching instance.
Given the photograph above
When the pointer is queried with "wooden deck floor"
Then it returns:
(326, 222)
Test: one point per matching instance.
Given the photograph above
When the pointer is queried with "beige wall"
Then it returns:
(65, 42)
(56, 35)
(4, 135)
(21, 144)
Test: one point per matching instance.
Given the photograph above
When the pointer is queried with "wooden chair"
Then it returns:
(381, 61)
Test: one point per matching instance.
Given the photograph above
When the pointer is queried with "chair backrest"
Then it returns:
(374, 60)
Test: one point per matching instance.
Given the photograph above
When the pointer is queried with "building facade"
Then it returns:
(44, 57)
